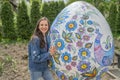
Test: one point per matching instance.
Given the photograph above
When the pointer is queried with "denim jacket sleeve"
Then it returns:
(34, 52)
(48, 41)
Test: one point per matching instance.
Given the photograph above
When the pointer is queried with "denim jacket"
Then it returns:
(38, 57)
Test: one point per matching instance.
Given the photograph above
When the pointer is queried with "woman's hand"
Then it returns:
(52, 50)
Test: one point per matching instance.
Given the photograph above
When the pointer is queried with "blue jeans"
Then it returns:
(45, 75)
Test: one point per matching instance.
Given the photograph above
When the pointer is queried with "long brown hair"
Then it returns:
(39, 34)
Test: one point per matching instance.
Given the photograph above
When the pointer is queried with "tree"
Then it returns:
(60, 7)
(0, 31)
(71, 1)
(89, 1)
(112, 17)
(35, 13)
(101, 8)
(45, 10)
(23, 22)
(7, 18)
(50, 10)
(1, 2)
(96, 2)
(118, 21)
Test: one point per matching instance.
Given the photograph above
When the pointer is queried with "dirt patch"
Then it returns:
(16, 54)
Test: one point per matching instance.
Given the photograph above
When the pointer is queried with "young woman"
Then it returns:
(40, 51)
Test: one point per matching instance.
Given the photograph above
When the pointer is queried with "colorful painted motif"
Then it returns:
(84, 43)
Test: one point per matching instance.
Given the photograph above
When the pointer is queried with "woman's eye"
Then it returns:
(45, 24)
(41, 24)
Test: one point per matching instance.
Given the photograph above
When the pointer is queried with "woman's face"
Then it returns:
(43, 26)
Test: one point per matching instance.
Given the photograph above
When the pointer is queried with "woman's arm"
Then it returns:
(35, 52)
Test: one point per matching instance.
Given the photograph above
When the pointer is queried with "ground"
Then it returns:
(14, 62)
(14, 57)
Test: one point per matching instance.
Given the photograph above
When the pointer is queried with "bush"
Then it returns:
(0, 30)
(118, 21)
(61, 5)
(101, 8)
(7, 18)
(1, 68)
(35, 14)
(112, 17)
(45, 10)
(51, 9)
(71, 1)
(6, 63)
(23, 22)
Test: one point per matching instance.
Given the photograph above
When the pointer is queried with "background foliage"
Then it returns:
(19, 23)
(35, 13)
(23, 22)
(112, 20)
(7, 18)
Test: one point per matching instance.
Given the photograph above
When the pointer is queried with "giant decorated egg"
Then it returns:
(84, 43)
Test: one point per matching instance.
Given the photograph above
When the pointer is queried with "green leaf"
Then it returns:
(68, 35)
(78, 36)
(88, 45)
(63, 34)
(68, 40)
(57, 61)
(74, 58)
(71, 78)
(56, 58)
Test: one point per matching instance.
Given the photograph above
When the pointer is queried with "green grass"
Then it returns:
(1, 68)
(0, 30)
(8, 41)
(6, 62)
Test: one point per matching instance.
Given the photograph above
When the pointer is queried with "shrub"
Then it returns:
(23, 22)
(7, 18)
(118, 21)
(112, 17)
(51, 9)
(35, 14)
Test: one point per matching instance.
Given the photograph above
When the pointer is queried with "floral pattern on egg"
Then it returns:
(84, 43)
